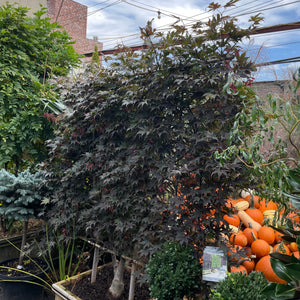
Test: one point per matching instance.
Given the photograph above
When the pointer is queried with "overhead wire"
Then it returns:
(264, 9)
(163, 28)
(134, 36)
(160, 9)
(259, 8)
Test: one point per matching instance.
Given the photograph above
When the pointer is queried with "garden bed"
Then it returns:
(81, 287)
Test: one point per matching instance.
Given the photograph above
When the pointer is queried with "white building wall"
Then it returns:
(34, 5)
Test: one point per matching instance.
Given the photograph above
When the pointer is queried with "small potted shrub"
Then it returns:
(21, 199)
(174, 272)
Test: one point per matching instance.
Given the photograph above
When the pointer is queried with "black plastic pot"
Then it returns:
(21, 287)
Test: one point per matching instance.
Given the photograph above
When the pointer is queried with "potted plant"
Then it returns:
(133, 160)
(21, 200)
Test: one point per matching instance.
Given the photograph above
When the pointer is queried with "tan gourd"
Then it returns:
(242, 205)
(269, 215)
(248, 221)
(234, 229)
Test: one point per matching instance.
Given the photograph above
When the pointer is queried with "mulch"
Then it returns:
(98, 291)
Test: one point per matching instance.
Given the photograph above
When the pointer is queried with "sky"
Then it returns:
(116, 22)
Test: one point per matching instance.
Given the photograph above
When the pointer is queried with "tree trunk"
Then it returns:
(117, 287)
(24, 236)
(132, 282)
(95, 265)
(4, 223)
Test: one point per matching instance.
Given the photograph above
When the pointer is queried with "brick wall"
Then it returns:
(72, 15)
(278, 87)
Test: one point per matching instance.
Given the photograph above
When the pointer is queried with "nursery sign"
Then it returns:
(214, 264)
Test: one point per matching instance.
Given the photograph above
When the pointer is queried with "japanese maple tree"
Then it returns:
(133, 161)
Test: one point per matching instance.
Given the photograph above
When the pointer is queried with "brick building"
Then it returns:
(280, 88)
(68, 13)
(264, 88)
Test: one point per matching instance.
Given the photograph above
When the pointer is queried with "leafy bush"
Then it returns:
(240, 286)
(173, 272)
(32, 50)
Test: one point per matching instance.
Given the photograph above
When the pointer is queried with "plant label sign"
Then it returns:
(214, 264)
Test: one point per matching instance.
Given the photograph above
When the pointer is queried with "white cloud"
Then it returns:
(123, 20)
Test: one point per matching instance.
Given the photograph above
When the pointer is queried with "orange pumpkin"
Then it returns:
(249, 265)
(260, 248)
(256, 200)
(248, 233)
(239, 239)
(293, 247)
(266, 233)
(282, 248)
(296, 254)
(267, 205)
(232, 219)
(256, 215)
(240, 268)
(264, 265)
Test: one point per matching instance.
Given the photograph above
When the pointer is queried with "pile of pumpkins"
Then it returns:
(253, 239)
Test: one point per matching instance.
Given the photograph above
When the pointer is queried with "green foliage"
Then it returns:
(240, 286)
(257, 142)
(173, 272)
(19, 195)
(64, 246)
(287, 268)
(293, 180)
(95, 56)
(32, 50)
(133, 160)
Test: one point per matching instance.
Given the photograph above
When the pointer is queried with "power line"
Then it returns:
(159, 9)
(242, 12)
(274, 46)
(280, 61)
(261, 30)
(260, 10)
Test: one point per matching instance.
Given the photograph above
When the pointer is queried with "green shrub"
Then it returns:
(240, 286)
(173, 272)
